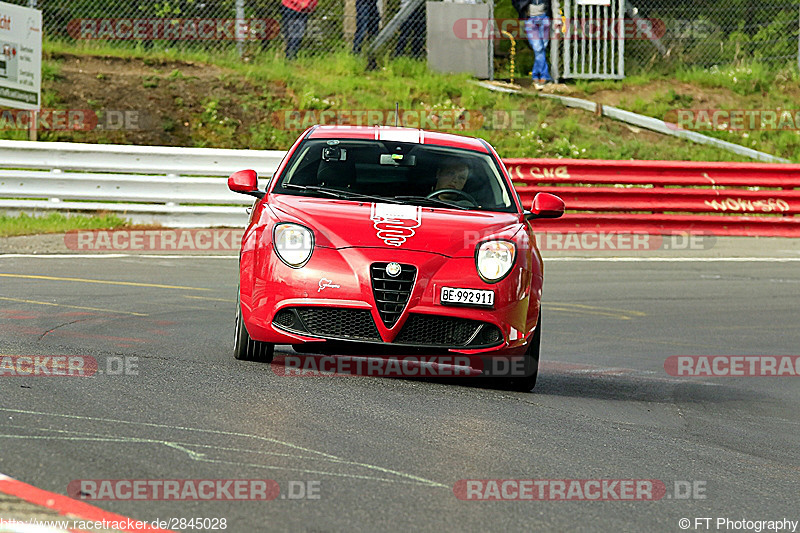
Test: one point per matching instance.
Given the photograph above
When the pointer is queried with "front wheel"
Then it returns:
(245, 348)
(527, 382)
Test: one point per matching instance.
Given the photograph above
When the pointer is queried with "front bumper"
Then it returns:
(332, 298)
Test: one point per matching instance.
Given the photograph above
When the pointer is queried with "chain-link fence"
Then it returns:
(325, 26)
(712, 32)
(684, 32)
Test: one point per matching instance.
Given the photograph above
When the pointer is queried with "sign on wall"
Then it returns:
(20, 57)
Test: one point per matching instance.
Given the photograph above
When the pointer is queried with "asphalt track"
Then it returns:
(387, 452)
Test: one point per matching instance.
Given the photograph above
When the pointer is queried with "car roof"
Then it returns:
(387, 133)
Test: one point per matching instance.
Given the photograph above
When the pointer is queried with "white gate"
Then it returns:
(589, 38)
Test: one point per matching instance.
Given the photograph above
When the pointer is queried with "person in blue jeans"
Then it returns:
(367, 22)
(537, 16)
(294, 17)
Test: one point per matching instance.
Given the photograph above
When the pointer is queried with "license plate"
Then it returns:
(452, 295)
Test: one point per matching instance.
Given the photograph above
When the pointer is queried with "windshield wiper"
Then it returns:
(434, 201)
(347, 195)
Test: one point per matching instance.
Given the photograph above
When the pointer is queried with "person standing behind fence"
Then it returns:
(367, 22)
(294, 16)
(413, 29)
(537, 16)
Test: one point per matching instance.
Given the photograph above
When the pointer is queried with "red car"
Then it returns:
(393, 239)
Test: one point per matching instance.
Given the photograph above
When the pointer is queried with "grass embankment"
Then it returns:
(56, 223)
(206, 100)
(196, 99)
(753, 90)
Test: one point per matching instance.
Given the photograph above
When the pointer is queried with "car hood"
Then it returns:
(348, 224)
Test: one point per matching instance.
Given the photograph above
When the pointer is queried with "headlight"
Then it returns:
(293, 244)
(495, 259)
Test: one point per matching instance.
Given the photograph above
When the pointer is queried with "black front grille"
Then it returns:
(329, 322)
(392, 293)
(432, 330)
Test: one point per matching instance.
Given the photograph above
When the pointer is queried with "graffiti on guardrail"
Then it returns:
(539, 172)
(770, 205)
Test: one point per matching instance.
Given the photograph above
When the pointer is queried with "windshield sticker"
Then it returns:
(395, 223)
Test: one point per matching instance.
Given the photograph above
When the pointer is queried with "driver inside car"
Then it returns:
(451, 175)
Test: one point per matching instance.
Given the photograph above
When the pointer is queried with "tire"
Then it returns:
(531, 364)
(245, 348)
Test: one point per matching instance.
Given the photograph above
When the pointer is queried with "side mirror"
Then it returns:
(245, 182)
(545, 205)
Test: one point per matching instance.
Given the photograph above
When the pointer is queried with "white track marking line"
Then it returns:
(412, 477)
(199, 457)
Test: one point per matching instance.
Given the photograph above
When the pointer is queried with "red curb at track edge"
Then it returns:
(64, 505)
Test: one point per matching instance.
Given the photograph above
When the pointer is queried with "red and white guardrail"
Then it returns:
(181, 187)
(749, 199)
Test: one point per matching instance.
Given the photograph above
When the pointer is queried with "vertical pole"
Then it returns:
(239, 23)
(568, 38)
(618, 27)
(554, 41)
(349, 22)
(32, 133)
(34, 118)
(583, 39)
(605, 21)
(592, 43)
(491, 43)
(621, 58)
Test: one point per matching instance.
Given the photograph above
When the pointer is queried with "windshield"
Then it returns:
(398, 172)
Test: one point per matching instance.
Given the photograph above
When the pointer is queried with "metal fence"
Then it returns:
(249, 26)
(685, 32)
(716, 32)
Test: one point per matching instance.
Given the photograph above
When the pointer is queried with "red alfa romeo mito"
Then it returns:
(394, 239)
